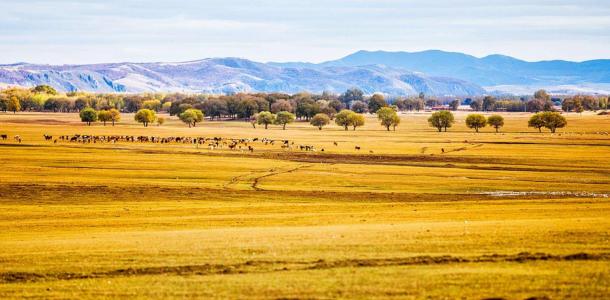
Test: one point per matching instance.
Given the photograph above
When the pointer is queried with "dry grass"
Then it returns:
(132, 220)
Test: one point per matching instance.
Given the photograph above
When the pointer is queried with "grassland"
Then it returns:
(514, 214)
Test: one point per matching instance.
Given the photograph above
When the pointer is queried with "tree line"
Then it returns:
(303, 105)
(441, 120)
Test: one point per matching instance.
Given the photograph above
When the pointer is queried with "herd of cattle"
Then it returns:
(243, 144)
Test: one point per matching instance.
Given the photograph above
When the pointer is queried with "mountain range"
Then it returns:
(432, 72)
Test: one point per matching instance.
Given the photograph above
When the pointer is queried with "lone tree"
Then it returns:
(160, 121)
(441, 119)
(88, 115)
(495, 121)
(145, 116)
(553, 120)
(388, 117)
(536, 121)
(115, 116)
(342, 118)
(191, 117)
(476, 121)
(104, 116)
(283, 118)
(376, 102)
(265, 118)
(356, 120)
(320, 120)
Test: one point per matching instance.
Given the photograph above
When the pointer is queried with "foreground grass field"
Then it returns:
(514, 215)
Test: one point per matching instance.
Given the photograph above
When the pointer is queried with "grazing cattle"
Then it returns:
(4, 137)
(47, 137)
(250, 149)
(336, 144)
(442, 150)
(357, 147)
(371, 151)
(18, 139)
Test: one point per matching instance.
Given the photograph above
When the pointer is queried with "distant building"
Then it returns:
(441, 107)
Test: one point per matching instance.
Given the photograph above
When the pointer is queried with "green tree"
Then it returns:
(476, 121)
(553, 120)
(342, 118)
(476, 105)
(191, 117)
(496, 121)
(145, 116)
(265, 118)
(283, 118)
(351, 95)
(320, 120)
(247, 108)
(441, 119)
(356, 120)
(46, 89)
(536, 121)
(388, 117)
(115, 115)
(376, 102)
(104, 116)
(454, 104)
(88, 115)
(488, 103)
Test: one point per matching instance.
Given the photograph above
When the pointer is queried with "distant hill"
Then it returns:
(228, 75)
(432, 72)
(489, 71)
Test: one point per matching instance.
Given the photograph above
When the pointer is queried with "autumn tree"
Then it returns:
(104, 116)
(13, 104)
(476, 121)
(342, 118)
(356, 120)
(359, 107)
(160, 121)
(145, 116)
(191, 117)
(115, 116)
(281, 105)
(320, 120)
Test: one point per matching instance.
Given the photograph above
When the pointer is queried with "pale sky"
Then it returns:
(93, 31)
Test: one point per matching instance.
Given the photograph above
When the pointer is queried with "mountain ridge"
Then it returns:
(433, 72)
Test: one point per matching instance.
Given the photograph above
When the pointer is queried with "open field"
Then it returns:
(514, 214)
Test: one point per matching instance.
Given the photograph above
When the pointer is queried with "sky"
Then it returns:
(96, 31)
